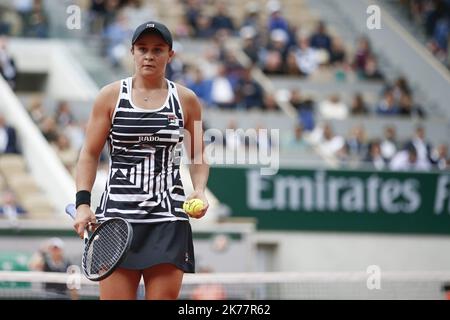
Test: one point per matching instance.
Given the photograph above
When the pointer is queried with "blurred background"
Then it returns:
(350, 99)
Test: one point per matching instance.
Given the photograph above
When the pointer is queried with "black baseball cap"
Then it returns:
(153, 26)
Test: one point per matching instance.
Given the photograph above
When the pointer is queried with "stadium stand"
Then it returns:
(342, 58)
(340, 96)
(428, 21)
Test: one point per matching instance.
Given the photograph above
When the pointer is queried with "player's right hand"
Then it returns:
(84, 217)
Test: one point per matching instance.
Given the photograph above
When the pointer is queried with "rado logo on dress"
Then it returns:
(148, 138)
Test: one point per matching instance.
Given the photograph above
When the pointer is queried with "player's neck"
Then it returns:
(148, 84)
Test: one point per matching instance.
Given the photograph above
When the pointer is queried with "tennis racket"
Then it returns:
(106, 248)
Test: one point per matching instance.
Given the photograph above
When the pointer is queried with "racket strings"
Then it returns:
(106, 247)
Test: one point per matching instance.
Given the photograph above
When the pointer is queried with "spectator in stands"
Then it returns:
(422, 147)
(38, 24)
(432, 12)
(274, 55)
(36, 110)
(252, 16)
(64, 115)
(49, 129)
(176, 68)
(357, 145)
(270, 103)
(138, 12)
(10, 209)
(330, 144)
(222, 92)
(24, 9)
(249, 93)
(51, 258)
(5, 26)
(112, 10)
(338, 53)
(305, 109)
(96, 17)
(203, 27)
(276, 19)
(307, 57)
(440, 36)
(192, 10)
(114, 36)
(401, 87)
(291, 67)
(182, 29)
(408, 160)
(201, 86)
(343, 157)
(66, 152)
(8, 138)
(296, 140)
(362, 54)
(221, 20)
(333, 108)
(439, 157)
(387, 105)
(209, 59)
(389, 144)
(374, 156)
(8, 68)
(371, 71)
(75, 133)
(320, 38)
(358, 106)
(408, 108)
(233, 67)
(250, 44)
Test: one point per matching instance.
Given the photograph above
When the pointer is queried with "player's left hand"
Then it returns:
(199, 195)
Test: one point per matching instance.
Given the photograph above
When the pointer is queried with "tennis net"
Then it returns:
(237, 286)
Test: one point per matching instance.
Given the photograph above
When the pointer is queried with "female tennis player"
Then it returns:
(143, 119)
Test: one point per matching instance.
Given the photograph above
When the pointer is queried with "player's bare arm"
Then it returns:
(96, 134)
(199, 169)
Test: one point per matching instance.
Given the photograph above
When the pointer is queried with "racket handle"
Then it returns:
(71, 210)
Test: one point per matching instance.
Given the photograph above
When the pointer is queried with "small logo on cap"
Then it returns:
(150, 25)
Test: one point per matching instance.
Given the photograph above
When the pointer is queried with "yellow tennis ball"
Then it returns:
(193, 207)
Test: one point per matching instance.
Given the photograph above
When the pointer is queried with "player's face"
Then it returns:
(151, 54)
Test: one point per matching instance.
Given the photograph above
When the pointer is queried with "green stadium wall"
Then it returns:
(337, 200)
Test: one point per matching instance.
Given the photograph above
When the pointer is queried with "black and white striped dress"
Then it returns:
(144, 183)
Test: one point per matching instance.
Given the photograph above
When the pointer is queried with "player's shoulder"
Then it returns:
(107, 97)
(191, 103)
(112, 88)
(109, 93)
(185, 92)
